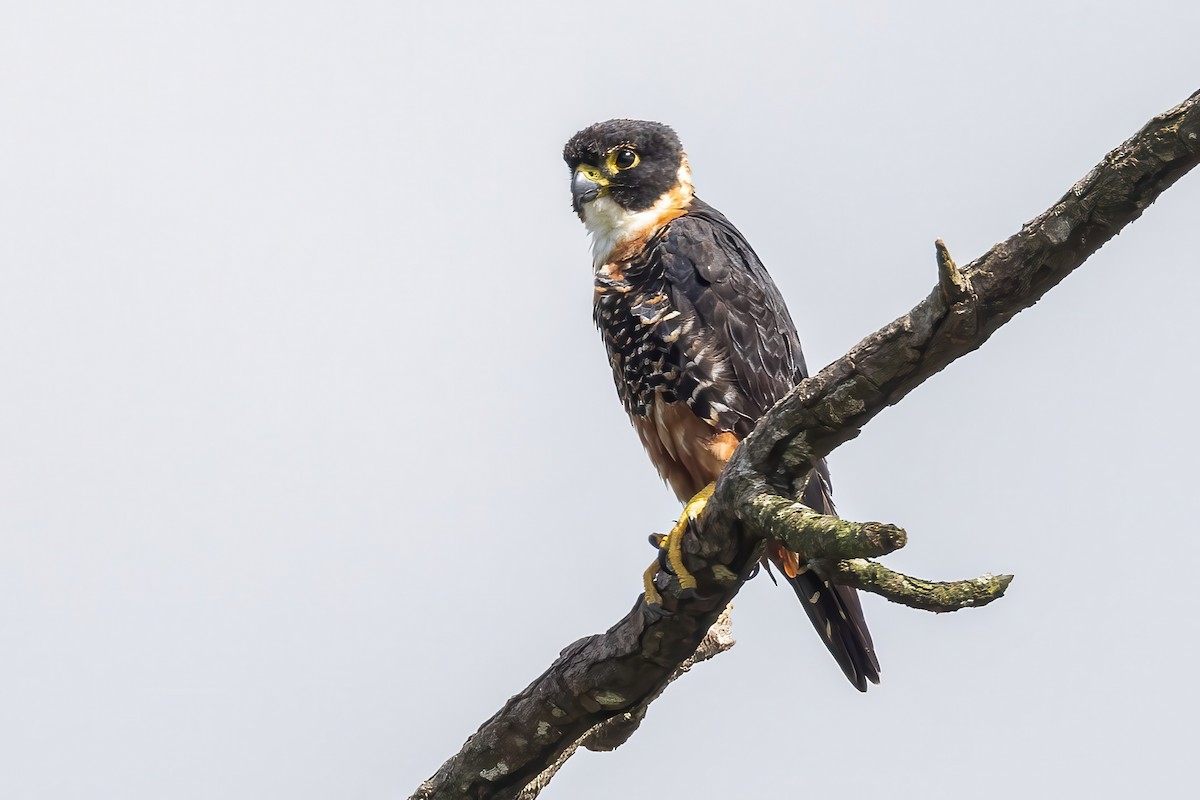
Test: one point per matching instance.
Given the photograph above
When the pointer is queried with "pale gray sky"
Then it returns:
(309, 454)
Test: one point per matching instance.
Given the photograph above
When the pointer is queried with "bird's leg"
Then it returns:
(653, 598)
(672, 546)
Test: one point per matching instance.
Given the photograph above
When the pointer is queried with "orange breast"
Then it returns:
(688, 452)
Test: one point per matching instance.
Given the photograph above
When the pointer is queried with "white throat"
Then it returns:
(610, 225)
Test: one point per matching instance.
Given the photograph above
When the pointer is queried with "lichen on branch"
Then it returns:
(940, 597)
(818, 536)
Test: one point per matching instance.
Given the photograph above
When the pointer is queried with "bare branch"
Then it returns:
(873, 577)
(819, 536)
(608, 675)
(614, 732)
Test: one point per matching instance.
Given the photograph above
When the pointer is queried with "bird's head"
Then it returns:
(625, 167)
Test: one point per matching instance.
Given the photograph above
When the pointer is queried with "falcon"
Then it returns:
(700, 343)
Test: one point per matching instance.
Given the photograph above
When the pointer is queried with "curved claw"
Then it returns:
(655, 611)
(670, 554)
(673, 544)
(652, 598)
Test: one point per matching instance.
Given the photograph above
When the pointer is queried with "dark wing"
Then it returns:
(738, 353)
(737, 349)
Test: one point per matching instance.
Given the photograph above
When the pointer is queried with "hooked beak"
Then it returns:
(586, 186)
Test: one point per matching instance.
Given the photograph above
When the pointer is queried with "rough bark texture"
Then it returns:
(615, 731)
(606, 675)
(937, 596)
(818, 536)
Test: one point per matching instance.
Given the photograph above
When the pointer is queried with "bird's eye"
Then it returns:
(624, 158)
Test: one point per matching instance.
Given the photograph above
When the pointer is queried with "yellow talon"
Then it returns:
(653, 598)
(673, 544)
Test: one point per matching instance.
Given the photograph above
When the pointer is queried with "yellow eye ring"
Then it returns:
(622, 158)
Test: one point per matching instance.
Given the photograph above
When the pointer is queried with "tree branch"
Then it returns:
(862, 573)
(615, 731)
(818, 536)
(618, 672)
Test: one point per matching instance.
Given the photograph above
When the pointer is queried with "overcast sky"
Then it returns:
(310, 457)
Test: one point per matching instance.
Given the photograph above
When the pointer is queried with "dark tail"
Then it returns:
(837, 615)
(835, 611)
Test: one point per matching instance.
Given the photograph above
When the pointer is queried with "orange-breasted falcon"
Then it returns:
(700, 342)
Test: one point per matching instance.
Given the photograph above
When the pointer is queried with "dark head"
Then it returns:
(633, 162)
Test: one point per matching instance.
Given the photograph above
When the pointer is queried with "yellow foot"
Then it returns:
(653, 598)
(672, 544)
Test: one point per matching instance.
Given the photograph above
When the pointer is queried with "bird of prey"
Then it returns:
(700, 342)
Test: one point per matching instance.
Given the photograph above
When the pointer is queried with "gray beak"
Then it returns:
(583, 190)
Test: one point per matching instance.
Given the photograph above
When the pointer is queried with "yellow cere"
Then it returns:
(592, 174)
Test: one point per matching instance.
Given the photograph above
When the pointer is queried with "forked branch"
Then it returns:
(609, 675)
